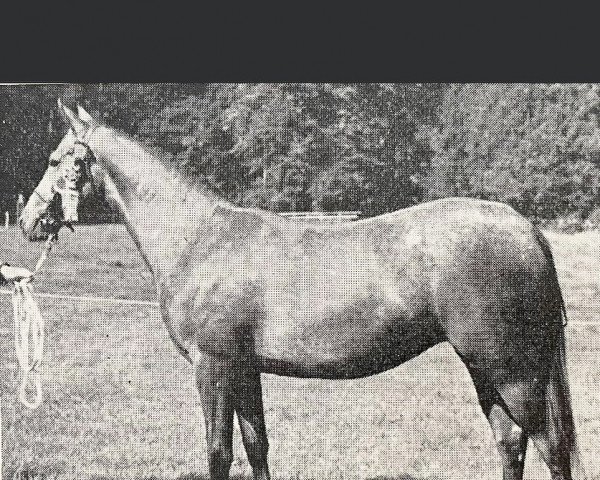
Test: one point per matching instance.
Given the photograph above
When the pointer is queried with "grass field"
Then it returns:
(121, 403)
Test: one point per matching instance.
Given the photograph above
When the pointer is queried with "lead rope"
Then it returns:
(29, 322)
(28, 319)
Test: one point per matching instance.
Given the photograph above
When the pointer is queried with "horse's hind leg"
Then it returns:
(214, 378)
(249, 409)
(526, 401)
(510, 438)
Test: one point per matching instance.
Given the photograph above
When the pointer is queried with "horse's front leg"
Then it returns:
(215, 378)
(249, 409)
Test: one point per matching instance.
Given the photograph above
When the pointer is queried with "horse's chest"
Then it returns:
(214, 315)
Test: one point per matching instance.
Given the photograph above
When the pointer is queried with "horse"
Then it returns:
(244, 291)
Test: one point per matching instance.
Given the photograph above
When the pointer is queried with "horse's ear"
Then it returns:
(79, 126)
(83, 115)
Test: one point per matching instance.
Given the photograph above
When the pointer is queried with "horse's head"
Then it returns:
(69, 171)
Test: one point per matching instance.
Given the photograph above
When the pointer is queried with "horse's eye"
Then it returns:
(54, 163)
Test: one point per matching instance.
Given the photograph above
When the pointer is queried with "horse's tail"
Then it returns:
(560, 423)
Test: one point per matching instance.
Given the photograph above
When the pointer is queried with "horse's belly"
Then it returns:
(344, 346)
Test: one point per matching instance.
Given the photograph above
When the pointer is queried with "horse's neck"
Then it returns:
(161, 212)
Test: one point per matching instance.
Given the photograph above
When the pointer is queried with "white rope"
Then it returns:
(28, 322)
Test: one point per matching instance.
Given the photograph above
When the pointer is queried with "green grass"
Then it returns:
(119, 401)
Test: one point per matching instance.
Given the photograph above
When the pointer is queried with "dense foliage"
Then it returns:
(367, 147)
(536, 147)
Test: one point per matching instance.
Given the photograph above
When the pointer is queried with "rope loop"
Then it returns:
(29, 325)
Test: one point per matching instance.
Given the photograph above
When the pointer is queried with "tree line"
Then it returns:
(370, 147)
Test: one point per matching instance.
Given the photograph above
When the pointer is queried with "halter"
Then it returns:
(87, 160)
(56, 189)
(88, 164)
